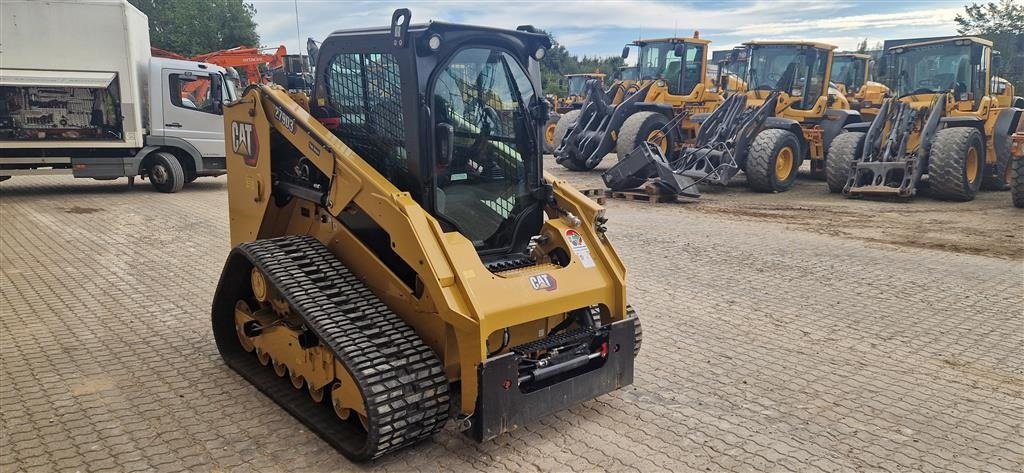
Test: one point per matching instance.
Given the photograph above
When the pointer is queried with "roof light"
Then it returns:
(434, 42)
(539, 54)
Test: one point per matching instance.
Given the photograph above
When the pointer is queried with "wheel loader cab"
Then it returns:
(679, 63)
(470, 153)
(850, 71)
(799, 71)
(959, 66)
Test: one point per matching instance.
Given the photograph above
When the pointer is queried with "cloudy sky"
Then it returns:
(602, 27)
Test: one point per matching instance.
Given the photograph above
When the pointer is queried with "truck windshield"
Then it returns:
(849, 71)
(933, 68)
(797, 70)
(484, 94)
(577, 84)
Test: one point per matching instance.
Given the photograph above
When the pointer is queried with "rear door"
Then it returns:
(189, 111)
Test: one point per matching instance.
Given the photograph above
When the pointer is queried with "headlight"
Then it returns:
(539, 54)
(434, 43)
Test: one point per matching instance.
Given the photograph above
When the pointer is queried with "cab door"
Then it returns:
(190, 111)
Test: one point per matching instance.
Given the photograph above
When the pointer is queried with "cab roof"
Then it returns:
(973, 39)
(813, 44)
(418, 29)
(856, 55)
(694, 40)
(586, 74)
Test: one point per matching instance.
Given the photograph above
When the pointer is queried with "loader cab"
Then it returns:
(957, 65)
(850, 71)
(577, 83)
(627, 74)
(451, 114)
(800, 70)
(679, 62)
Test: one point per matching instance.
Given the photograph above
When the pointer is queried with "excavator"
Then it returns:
(788, 114)
(672, 83)
(851, 73)
(400, 258)
(241, 58)
(944, 129)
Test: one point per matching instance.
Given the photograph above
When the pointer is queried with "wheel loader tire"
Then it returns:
(839, 159)
(561, 129)
(641, 127)
(999, 177)
(956, 164)
(165, 173)
(772, 161)
(1017, 188)
(549, 133)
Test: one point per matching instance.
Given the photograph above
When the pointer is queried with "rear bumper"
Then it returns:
(500, 409)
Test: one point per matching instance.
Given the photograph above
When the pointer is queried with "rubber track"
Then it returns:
(401, 378)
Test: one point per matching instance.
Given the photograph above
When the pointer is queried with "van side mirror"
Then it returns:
(217, 93)
(444, 136)
(625, 52)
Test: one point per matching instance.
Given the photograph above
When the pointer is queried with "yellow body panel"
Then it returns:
(458, 303)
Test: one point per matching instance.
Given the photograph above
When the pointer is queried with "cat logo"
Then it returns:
(543, 282)
(244, 142)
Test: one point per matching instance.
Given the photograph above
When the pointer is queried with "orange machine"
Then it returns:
(245, 59)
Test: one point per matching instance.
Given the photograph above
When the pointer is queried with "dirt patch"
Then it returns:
(81, 210)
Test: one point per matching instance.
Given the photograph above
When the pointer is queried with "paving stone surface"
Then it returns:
(768, 347)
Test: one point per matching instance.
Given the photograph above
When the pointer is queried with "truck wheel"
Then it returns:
(165, 173)
(561, 129)
(549, 133)
(956, 164)
(772, 161)
(1018, 182)
(844, 150)
(998, 177)
(641, 127)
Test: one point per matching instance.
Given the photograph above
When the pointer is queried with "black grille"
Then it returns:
(365, 90)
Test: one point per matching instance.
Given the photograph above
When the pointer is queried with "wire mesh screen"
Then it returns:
(365, 91)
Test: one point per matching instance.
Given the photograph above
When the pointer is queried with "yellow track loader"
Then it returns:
(399, 256)
(788, 114)
(851, 72)
(944, 129)
(672, 81)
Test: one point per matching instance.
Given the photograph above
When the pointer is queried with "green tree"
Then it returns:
(1002, 23)
(190, 27)
(862, 47)
(558, 62)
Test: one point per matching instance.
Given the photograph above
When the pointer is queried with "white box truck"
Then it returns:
(80, 94)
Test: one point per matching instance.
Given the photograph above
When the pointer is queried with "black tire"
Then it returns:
(549, 146)
(165, 173)
(761, 166)
(948, 164)
(561, 129)
(638, 332)
(997, 176)
(839, 160)
(1017, 187)
(637, 128)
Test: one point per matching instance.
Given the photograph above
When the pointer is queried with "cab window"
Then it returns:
(191, 91)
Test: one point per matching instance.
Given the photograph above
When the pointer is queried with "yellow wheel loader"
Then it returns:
(672, 81)
(399, 256)
(576, 85)
(788, 114)
(943, 130)
(851, 72)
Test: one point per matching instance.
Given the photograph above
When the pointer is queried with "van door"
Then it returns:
(189, 111)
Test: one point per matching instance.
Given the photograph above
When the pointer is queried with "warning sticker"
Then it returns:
(579, 248)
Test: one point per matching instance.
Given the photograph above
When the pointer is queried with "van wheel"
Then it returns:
(165, 173)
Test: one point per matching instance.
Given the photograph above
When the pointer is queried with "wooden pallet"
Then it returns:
(650, 195)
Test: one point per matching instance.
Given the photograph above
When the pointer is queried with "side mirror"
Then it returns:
(625, 52)
(680, 49)
(997, 61)
(444, 136)
(217, 93)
